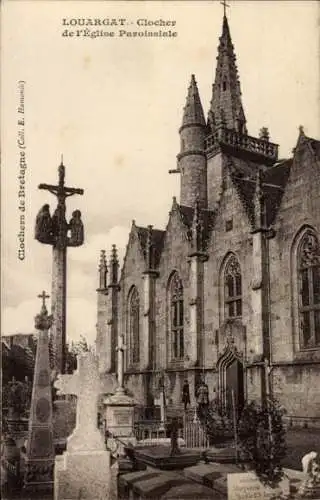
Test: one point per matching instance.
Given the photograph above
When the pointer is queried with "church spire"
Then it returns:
(193, 111)
(226, 107)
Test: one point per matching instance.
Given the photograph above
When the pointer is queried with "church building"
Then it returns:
(230, 290)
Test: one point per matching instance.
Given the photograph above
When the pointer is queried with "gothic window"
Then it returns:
(224, 85)
(176, 317)
(308, 266)
(232, 288)
(133, 326)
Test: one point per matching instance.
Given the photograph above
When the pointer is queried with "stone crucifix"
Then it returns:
(120, 349)
(56, 231)
(85, 383)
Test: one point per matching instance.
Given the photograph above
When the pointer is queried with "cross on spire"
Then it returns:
(225, 5)
(43, 296)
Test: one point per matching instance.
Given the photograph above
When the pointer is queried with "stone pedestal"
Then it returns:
(119, 418)
(83, 474)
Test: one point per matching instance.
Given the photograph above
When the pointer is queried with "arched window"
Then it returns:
(232, 288)
(133, 326)
(308, 267)
(176, 317)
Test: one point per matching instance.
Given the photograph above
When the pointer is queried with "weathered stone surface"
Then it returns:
(40, 449)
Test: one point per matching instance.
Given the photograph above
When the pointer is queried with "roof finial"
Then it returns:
(61, 159)
(225, 5)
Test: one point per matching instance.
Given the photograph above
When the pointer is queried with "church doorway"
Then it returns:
(231, 383)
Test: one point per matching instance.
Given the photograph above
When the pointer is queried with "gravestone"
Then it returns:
(119, 410)
(84, 470)
(246, 485)
(310, 486)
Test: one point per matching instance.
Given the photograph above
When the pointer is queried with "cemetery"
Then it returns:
(105, 457)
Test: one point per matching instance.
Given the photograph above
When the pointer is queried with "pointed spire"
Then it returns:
(103, 271)
(226, 93)
(193, 111)
(114, 266)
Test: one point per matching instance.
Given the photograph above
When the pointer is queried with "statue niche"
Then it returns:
(43, 228)
(76, 230)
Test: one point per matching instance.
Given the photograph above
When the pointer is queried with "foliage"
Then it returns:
(217, 422)
(262, 440)
(73, 351)
(16, 396)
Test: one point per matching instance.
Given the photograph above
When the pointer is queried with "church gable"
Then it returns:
(134, 262)
(176, 242)
(234, 211)
(301, 193)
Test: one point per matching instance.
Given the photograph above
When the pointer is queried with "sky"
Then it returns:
(113, 106)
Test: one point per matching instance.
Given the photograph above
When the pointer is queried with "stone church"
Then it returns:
(230, 290)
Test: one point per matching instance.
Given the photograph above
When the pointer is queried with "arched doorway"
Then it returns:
(231, 382)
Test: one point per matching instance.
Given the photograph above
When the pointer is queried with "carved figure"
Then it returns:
(43, 228)
(76, 229)
(185, 394)
(202, 400)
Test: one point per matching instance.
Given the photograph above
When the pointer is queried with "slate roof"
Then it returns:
(207, 217)
(274, 180)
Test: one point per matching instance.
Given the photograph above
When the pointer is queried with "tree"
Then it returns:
(73, 351)
(262, 440)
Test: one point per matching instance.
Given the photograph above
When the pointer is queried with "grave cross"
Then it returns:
(86, 385)
(43, 296)
(120, 349)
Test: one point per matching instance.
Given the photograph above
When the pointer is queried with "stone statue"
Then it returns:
(43, 229)
(202, 400)
(185, 394)
(310, 487)
(76, 229)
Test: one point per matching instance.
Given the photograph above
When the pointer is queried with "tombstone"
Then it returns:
(119, 410)
(40, 450)
(245, 485)
(84, 470)
(310, 486)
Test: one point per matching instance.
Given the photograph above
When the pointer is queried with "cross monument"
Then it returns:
(56, 231)
(120, 349)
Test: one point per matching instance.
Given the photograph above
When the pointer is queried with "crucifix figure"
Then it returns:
(120, 349)
(56, 231)
(225, 5)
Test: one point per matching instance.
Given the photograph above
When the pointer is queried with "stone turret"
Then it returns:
(192, 162)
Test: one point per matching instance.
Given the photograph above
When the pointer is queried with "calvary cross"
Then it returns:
(59, 241)
(61, 191)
